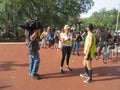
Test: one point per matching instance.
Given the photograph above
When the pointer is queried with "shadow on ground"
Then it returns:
(99, 73)
(3, 87)
(8, 65)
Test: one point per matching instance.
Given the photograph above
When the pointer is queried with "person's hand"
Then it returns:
(33, 36)
(85, 56)
(37, 32)
(68, 39)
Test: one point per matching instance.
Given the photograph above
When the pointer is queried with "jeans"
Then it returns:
(34, 63)
(75, 47)
(43, 42)
(50, 43)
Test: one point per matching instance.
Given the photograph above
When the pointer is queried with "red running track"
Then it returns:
(14, 63)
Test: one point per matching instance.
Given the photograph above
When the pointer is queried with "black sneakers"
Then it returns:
(36, 76)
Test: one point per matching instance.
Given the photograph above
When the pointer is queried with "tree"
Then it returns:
(49, 12)
(103, 18)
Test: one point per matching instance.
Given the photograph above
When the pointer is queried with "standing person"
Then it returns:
(33, 47)
(49, 37)
(89, 50)
(76, 43)
(104, 38)
(56, 40)
(43, 37)
(61, 34)
(103, 41)
(66, 48)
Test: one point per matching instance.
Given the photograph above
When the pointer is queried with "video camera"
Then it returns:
(30, 25)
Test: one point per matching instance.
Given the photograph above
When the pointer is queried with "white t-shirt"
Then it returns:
(68, 42)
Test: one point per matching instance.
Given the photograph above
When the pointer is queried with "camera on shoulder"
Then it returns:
(30, 24)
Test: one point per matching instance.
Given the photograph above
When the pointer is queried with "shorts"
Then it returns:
(89, 58)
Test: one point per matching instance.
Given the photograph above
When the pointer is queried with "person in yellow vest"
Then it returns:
(89, 50)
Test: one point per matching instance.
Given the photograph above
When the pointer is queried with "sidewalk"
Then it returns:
(4, 43)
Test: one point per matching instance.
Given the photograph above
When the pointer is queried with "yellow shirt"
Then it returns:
(92, 50)
(68, 42)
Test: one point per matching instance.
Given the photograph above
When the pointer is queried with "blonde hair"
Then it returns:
(66, 27)
(48, 29)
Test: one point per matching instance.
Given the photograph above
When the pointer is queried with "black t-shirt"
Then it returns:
(79, 38)
(105, 36)
(33, 46)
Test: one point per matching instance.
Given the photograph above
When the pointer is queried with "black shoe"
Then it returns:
(61, 71)
(36, 76)
(68, 69)
(88, 80)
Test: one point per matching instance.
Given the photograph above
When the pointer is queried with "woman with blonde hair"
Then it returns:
(66, 48)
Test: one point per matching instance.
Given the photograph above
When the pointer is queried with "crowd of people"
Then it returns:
(69, 41)
(107, 41)
(50, 38)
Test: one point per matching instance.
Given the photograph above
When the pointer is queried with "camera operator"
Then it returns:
(32, 31)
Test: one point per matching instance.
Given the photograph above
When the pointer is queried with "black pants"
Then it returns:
(66, 51)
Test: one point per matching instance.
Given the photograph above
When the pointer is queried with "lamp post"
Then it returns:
(117, 18)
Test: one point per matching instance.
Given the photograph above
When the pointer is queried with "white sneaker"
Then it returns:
(88, 80)
(84, 75)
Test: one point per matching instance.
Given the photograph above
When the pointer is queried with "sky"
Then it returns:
(100, 4)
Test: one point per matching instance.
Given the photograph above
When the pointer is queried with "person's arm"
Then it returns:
(35, 34)
(89, 46)
(76, 37)
(83, 34)
(63, 40)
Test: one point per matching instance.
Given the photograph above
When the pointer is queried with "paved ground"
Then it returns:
(14, 71)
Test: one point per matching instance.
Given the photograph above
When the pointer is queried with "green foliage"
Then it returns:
(103, 18)
(48, 12)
